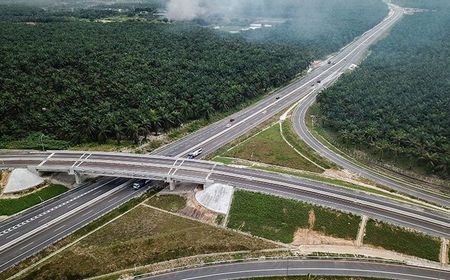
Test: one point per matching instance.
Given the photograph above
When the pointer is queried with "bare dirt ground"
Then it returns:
(196, 211)
(347, 176)
(4, 175)
(308, 236)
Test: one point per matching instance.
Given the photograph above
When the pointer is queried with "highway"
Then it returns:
(197, 171)
(31, 231)
(218, 134)
(322, 267)
(22, 237)
(304, 89)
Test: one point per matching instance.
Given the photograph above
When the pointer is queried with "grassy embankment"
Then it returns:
(142, 236)
(11, 206)
(269, 147)
(402, 240)
(278, 218)
(172, 203)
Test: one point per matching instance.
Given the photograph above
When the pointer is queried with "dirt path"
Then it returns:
(361, 231)
(369, 252)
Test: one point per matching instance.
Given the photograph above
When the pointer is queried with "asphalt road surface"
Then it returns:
(304, 267)
(218, 134)
(305, 89)
(436, 222)
(30, 232)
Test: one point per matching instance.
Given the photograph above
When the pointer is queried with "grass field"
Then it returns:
(12, 206)
(278, 218)
(171, 203)
(142, 236)
(302, 147)
(401, 240)
(269, 147)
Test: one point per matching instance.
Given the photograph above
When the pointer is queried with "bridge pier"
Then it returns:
(78, 178)
(172, 185)
(208, 184)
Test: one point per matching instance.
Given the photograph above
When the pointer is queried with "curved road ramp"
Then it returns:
(268, 268)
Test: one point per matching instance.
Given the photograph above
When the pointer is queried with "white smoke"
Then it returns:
(184, 9)
(190, 9)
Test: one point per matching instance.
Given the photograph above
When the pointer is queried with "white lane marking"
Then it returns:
(44, 161)
(68, 229)
(354, 49)
(65, 215)
(318, 269)
(56, 230)
(23, 247)
(83, 160)
(8, 230)
(87, 213)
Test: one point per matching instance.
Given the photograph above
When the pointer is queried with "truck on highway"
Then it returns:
(195, 153)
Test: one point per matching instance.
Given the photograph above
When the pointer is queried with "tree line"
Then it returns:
(397, 104)
(82, 81)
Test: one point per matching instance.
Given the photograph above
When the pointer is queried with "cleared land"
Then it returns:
(402, 240)
(172, 203)
(142, 236)
(269, 147)
(15, 205)
(278, 218)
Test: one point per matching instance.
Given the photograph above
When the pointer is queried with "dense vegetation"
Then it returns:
(279, 218)
(72, 78)
(402, 240)
(397, 104)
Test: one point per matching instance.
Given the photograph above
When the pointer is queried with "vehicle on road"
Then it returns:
(231, 120)
(195, 153)
(277, 97)
(228, 125)
(139, 184)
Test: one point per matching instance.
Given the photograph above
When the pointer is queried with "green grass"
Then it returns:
(15, 205)
(302, 147)
(109, 146)
(269, 147)
(402, 240)
(279, 218)
(172, 203)
(142, 236)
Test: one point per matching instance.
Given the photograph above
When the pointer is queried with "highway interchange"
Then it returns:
(28, 233)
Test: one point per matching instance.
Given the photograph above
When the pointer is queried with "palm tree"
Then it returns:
(154, 120)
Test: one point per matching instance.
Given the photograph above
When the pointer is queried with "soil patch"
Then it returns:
(305, 236)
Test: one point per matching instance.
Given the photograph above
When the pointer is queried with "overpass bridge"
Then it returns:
(172, 170)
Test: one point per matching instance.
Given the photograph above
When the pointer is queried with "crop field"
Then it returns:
(142, 236)
(278, 218)
(402, 240)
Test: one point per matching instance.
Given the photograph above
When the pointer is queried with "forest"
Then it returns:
(397, 104)
(69, 79)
